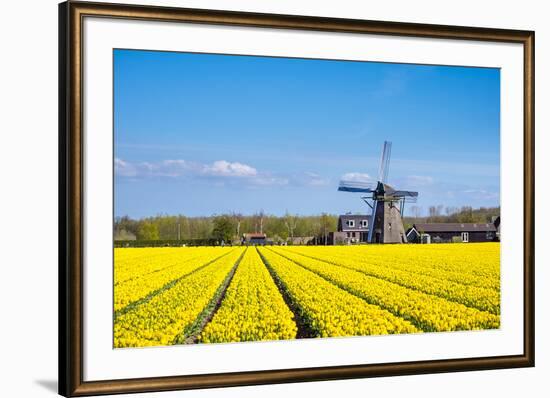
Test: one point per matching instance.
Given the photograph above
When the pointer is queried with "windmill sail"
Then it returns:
(384, 162)
(356, 186)
(406, 196)
(371, 220)
(403, 194)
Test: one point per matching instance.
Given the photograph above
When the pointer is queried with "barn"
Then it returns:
(452, 232)
(254, 239)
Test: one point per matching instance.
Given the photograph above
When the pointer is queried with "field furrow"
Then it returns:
(332, 311)
(132, 263)
(421, 263)
(188, 295)
(428, 312)
(181, 263)
(252, 309)
(166, 316)
(484, 299)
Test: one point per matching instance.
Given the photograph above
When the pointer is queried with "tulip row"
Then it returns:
(252, 309)
(428, 312)
(468, 264)
(170, 267)
(406, 275)
(166, 316)
(329, 310)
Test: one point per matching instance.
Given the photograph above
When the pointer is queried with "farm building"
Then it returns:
(301, 240)
(352, 228)
(453, 232)
(496, 221)
(254, 239)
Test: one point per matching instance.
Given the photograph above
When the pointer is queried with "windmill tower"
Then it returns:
(387, 203)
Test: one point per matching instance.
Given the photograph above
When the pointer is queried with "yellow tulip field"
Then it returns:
(188, 295)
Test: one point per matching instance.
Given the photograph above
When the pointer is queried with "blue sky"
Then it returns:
(203, 134)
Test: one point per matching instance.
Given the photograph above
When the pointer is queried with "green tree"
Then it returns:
(147, 231)
(223, 228)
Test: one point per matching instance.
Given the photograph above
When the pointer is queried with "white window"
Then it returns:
(465, 237)
(351, 223)
(364, 223)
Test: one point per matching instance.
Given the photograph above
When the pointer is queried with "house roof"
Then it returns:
(255, 235)
(454, 227)
(343, 219)
(356, 217)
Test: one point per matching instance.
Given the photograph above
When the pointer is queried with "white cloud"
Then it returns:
(124, 169)
(481, 194)
(178, 163)
(266, 179)
(357, 177)
(180, 168)
(223, 168)
(220, 172)
(165, 168)
(318, 182)
(172, 168)
(419, 180)
(315, 180)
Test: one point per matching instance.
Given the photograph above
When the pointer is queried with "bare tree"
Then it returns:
(451, 210)
(290, 223)
(435, 211)
(325, 224)
(259, 221)
(262, 221)
(416, 211)
(316, 228)
(238, 218)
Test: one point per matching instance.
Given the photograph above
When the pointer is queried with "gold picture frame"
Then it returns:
(71, 238)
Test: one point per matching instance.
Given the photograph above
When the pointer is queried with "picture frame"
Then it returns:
(73, 206)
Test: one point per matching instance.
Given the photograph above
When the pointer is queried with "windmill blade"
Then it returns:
(384, 162)
(356, 186)
(371, 221)
(352, 189)
(404, 194)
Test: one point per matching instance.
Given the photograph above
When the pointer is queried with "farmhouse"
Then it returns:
(352, 228)
(254, 239)
(453, 232)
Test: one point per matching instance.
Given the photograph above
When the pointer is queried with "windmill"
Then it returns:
(387, 203)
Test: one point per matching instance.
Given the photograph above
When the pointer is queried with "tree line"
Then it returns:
(449, 214)
(226, 227)
(231, 227)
